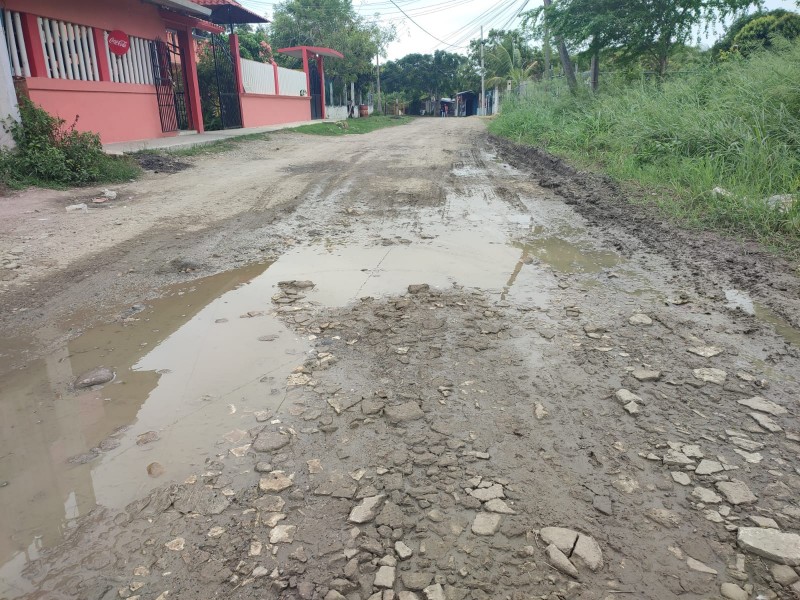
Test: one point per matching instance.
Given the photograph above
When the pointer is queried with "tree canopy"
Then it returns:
(422, 76)
(333, 24)
(636, 28)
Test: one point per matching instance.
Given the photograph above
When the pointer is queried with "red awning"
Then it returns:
(297, 51)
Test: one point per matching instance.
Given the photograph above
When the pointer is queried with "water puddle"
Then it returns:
(739, 299)
(568, 257)
(196, 364)
(188, 368)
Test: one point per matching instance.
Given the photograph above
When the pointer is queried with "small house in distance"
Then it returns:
(467, 104)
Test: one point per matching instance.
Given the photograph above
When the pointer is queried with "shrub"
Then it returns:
(49, 152)
(736, 126)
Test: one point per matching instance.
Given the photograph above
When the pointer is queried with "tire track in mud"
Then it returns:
(745, 265)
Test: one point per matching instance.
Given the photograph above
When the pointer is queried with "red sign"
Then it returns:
(118, 42)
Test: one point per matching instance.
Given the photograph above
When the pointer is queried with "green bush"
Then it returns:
(50, 153)
(735, 126)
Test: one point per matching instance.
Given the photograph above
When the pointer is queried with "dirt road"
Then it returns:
(419, 363)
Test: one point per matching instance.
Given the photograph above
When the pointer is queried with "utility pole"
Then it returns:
(482, 110)
(378, 63)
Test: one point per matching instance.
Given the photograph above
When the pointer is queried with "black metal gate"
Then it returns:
(316, 89)
(170, 81)
(225, 88)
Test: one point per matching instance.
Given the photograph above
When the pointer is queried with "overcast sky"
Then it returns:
(448, 24)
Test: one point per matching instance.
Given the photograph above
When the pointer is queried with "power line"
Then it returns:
(425, 30)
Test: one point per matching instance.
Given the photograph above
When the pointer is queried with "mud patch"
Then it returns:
(160, 162)
(770, 279)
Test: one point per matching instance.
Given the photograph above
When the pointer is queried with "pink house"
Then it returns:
(127, 69)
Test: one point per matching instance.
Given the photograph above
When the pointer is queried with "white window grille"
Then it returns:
(68, 50)
(135, 66)
(17, 51)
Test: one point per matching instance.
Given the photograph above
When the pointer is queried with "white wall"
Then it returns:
(291, 82)
(258, 77)
(8, 97)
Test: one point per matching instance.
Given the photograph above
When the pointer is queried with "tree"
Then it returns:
(654, 29)
(639, 28)
(254, 43)
(760, 32)
(538, 16)
(504, 64)
(420, 77)
(726, 42)
(333, 24)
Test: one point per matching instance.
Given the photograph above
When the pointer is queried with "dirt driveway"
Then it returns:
(418, 363)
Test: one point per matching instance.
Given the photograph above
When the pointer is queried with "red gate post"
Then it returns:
(321, 66)
(189, 57)
(233, 41)
(308, 74)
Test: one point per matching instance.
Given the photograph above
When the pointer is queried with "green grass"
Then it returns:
(734, 126)
(354, 126)
(216, 147)
(111, 169)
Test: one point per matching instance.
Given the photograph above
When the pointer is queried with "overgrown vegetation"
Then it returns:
(50, 153)
(351, 126)
(734, 126)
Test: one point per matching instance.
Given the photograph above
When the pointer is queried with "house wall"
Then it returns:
(134, 17)
(120, 112)
(259, 110)
(117, 111)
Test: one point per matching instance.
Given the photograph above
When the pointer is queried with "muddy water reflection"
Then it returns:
(178, 372)
(569, 257)
(739, 299)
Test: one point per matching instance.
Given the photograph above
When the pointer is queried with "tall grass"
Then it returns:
(734, 126)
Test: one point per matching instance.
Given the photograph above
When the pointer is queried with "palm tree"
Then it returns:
(504, 64)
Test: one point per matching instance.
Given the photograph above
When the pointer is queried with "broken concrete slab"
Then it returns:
(774, 545)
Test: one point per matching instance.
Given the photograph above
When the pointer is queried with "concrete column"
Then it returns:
(189, 56)
(8, 97)
(233, 41)
(321, 68)
(103, 68)
(33, 43)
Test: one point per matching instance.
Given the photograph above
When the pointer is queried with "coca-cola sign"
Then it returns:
(118, 42)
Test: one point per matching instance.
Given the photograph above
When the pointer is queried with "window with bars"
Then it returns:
(135, 66)
(18, 53)
(69, 50)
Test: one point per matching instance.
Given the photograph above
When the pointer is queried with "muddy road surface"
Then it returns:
(415, 364)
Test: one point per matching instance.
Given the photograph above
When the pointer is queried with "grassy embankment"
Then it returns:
(735, 126)
(354, 126)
